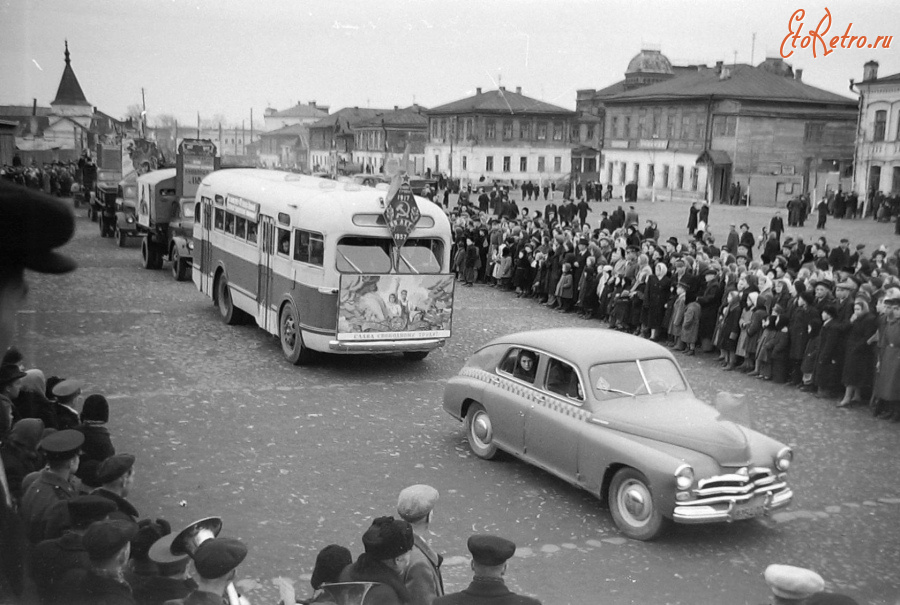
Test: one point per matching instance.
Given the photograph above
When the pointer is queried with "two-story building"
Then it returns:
(332, 140)
(694, 135)
(877, 159)
(285, 142)
(387, 135)
(500, 134)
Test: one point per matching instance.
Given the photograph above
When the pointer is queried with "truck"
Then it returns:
(165, 207)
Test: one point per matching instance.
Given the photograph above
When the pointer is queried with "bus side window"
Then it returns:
(301, 246)
(229, 223)
(240, 227)
(251, 232)
(316, 249)
(220, 219)
(284, 242)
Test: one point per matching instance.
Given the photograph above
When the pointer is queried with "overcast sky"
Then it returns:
(228, 56)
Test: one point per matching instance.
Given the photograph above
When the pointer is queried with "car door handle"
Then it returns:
(600, 422)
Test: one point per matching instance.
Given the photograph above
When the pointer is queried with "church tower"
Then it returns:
(70, 101)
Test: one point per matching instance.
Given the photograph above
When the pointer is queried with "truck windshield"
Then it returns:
(373, 255)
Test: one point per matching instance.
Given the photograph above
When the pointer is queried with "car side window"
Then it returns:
(520, 363)
(562, 379)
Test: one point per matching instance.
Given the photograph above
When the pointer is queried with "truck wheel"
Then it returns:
(291, 339)
(179, 267)
(146, 255)
(121, 238)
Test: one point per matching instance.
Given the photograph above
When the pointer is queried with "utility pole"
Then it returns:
(143, 114)
(753, 48)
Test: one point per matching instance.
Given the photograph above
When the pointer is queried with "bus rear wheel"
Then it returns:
(231, 315)
(291, 339)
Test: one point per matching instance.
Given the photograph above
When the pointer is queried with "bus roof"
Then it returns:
(157, 176)
(277, 191)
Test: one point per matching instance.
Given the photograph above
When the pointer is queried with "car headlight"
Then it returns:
(783, 459)
(684, 476)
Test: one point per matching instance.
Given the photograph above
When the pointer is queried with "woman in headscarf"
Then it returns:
(20, 454)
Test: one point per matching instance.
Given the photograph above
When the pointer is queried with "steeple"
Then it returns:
(69, 92)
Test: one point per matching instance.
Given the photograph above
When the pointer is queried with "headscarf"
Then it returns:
(27, 433)
(33, 381)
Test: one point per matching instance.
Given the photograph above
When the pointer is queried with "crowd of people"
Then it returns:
(56, 178)
(820, 316)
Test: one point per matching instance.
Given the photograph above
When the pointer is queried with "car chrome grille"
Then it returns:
(736, 487)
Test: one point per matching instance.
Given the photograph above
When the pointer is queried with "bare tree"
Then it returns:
(165, 120)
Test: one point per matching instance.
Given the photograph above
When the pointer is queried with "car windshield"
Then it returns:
(635, 378)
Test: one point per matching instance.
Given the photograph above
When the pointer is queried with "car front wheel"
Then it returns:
(632, 507)
(480, 432)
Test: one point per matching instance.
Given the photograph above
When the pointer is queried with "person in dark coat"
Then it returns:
(155, 574)
(830, 359)
(61, 451)
(97, 442)
(859, 360)
(747, 240)
(489, 563)
(387, 543)
(730, 330)
(887, 379)
(471, 262)
(703, 215)
(776, 225)
(20, 454)
(692, 219)
(657, 295)
(771, 248)
(709, 300)
(51, 560)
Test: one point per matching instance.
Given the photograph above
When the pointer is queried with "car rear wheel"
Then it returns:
(291, 338)
(480, 432)
(632, 507)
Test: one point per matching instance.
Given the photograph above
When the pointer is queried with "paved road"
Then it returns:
(296, 458)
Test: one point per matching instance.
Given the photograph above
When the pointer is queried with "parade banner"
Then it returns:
(395, 307)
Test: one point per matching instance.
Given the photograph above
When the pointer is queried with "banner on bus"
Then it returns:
(395, 307)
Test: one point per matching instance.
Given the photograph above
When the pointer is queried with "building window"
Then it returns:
(465, 163)
(657, 118)
(679, 178)
(541, 164)
(665, 179)
(880, 125)
(622, 168)
(614, 128)
(525, 130)
(670, 126)
(523, 164)
(636, 175)
(443, 129)
(685, 127)
(813, 132)
(724, 126)
(651, 176)
(576, 164)
(695, 178)
(590, 132)
(627, 133)
(700, 129)
(542, 131)
(557, 164)
(609, 172)
(489, 163)
(506, 163)
(490, 131)
(507, 130)
(575, 135)
(437, 163)
(557, 131)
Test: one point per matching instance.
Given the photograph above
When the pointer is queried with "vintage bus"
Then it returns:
(313, 262)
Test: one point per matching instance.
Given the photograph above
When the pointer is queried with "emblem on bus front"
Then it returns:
(401, 213)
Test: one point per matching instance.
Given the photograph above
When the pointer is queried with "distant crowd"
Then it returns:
(60, 179)
(817, 315)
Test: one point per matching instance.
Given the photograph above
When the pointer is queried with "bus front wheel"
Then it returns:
(291, 339)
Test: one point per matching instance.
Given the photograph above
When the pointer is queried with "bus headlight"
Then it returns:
(783, 459)
(684, 476)
(190, 246)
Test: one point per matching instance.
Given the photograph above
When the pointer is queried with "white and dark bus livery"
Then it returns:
(312, 261)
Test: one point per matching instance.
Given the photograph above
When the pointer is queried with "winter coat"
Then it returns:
(887, 382)
(677, 321)
(565, 288)
(655, 300)
(709, 306)
(859, 358)
(730, 330)
(830, 360)
(690, 328)
(798, 331)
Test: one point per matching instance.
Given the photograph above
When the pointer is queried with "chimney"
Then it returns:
(503, 88)
(477, 92)
(870, 71)
(719, 67)
(34, 107)
(312, 104)
(798, 74)
(518, 90)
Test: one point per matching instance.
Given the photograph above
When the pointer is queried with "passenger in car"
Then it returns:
(526, 366)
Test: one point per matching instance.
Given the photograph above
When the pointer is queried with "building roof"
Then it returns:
(292, 129)
(69, 91)
(500, 101)
(310, 110)
(407, 117)
(649, 61)
(745, 82)
(17, 111)
(344, 118)
(884, 80)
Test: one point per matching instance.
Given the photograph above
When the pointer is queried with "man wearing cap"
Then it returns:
(66, 394)
(116, 474)
(489, 556)
(844, 293)
(108, 546)
(51, 559)
(747, 240)
(157, 575)
(423, 575)
(215, 562)
(387, 544)
(61, 450)
(791, 585)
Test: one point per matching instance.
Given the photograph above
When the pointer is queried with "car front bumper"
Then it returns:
(734, 497)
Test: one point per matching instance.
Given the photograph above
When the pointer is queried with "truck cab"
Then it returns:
(166, 222)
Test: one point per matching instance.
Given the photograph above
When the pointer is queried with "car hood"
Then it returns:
(682, 421)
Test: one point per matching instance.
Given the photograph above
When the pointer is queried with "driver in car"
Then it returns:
(526, 366)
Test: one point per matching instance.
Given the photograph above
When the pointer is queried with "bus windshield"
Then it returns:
(371, 255)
